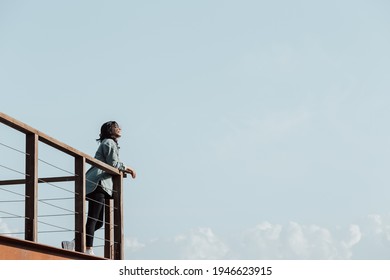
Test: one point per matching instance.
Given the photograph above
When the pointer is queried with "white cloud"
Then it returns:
(5, 229)
(354, 238)
(201, 243)
(368, 239)
(133, 245)
(294, 241)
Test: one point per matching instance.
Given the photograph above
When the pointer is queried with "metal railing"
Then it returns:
(113, 231)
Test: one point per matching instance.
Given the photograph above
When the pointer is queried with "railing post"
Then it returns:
(31, 187)
(118, 217)
(79, 203)
(109, 229)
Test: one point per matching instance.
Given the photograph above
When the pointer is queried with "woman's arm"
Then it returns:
(131, 171)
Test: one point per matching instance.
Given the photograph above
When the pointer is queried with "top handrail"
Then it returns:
(26, 129)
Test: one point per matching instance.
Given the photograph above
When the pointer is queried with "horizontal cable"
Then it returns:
(22, 152)
(104, 239)
(58, 207)
(48, 224)
(98, 220)
(54, 215)
(48, 163)
(51, 231)
(26, 196)
(71, 173)
(17, 150)
(43, 181)
(61, 229)
(98, 202)
(14, 170)
(59, 168)
(51, 184)
(59, 198)
(13, 215)
(11, 201)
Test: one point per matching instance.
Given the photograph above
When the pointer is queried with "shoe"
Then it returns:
(89, 252)
(68, 245)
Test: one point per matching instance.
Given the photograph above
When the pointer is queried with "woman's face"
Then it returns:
(116, 131)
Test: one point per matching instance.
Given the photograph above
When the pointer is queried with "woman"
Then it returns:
(99, 183)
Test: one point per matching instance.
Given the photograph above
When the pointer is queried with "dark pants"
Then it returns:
(95, 218)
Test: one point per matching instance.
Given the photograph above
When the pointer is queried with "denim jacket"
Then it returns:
(107, 152)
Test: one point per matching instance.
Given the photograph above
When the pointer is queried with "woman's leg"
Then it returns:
(95, 216)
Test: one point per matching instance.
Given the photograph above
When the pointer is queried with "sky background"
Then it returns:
(258, 129)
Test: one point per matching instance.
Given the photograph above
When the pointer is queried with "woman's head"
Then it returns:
(111, 130)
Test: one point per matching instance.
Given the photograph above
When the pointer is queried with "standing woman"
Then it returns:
(99, 185)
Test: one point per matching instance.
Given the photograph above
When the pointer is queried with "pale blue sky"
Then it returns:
(259, 129)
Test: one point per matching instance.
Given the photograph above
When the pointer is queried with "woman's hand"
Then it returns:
(131, 171)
